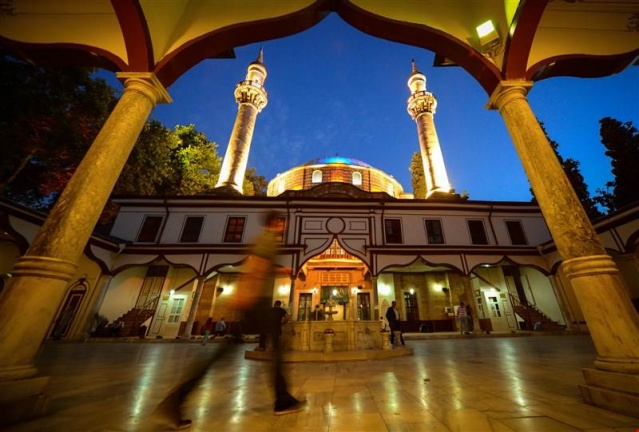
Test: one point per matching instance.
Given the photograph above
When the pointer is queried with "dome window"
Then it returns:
(357, 178)
(317, 176)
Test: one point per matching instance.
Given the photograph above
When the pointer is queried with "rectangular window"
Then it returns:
(477, 232)
(393, 230)
(192, 228)
(234, 229)
(150, 229)
(434, 231)
(277, 226)
(516, 232)
(176, 310)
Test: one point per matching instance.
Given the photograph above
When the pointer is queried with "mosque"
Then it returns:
(352, 240)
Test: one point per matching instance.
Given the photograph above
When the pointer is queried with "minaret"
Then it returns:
(421, 107)
(251, 97)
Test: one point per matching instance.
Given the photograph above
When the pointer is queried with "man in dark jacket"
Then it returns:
(392, 315)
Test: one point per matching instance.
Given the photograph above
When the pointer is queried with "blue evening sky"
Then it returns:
(334, 90)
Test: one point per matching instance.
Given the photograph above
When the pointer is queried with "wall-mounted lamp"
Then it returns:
(354, 290)
(489, 39)
(412, 291)
(314, 290)
(172, 292)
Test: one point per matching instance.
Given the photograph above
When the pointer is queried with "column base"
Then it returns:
(22, 400)
(613, 391)
(226, 190)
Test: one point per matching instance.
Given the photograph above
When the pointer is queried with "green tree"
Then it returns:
(418, 181)
(150, 166)
(196, 163)
(48, 119)
(254, 184)
(170, 162)
(622, 147)
(576, 179)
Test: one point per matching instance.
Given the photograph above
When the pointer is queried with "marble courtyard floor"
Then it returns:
(461, 384)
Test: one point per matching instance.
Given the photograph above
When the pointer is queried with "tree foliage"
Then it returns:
(418, 181)
(576, 179)
(48, 119)
(622, 147)
(254, 184)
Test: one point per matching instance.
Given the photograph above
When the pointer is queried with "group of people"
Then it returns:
(464, 315)
(211, 330)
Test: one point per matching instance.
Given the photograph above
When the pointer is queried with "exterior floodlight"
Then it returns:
(489, 39)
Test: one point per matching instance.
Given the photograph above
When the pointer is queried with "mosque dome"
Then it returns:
(336, 176)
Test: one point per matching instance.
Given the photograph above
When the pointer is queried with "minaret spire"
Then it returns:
(251, 98)
(260, 56)
(421, 107)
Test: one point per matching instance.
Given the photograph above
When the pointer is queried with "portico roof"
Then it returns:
(539, 39)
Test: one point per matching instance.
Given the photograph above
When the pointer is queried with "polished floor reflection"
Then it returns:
(463, 384)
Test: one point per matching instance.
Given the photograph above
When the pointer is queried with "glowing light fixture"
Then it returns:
(489, 39)
(172, 292)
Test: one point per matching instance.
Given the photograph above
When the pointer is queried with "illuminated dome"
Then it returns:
(336, 176)
(337, 160)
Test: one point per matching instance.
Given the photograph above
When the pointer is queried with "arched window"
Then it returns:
(357, 178)
(317, 176)
(391, 191)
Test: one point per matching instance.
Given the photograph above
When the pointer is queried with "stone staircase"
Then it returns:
(133, 319)
(531, 315)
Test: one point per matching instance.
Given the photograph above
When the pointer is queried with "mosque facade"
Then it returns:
(351, 242)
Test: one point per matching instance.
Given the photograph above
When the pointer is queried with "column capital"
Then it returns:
(146, 83)
(507, 91)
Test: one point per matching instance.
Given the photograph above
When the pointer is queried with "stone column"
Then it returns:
(600, 291)
(42, 274)
(470, 300)
(291, 300)
(199, 287)
(376, 312)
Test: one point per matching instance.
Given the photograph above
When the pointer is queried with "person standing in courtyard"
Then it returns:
(392, 316)
(462, 316)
